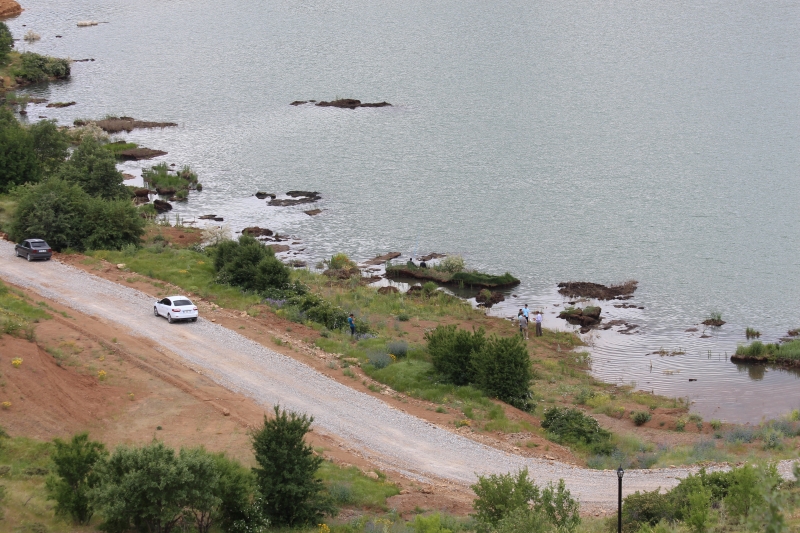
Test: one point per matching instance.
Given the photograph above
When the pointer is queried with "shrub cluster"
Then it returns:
(249, 265)
(317, 309)
(37, 68)
(153, 488)
(641, 418)
(498, 366)
(742, 495)
(510, 503)
(570, 426)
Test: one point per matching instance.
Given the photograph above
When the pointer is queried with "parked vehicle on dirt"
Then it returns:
(33, 250)
(176, 308)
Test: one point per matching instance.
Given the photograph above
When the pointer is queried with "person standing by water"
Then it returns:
(523, 324)
(526, 312)
(352, 323)
(538, 332)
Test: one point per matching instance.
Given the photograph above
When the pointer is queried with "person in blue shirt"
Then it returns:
(526, 312)
(352, 323)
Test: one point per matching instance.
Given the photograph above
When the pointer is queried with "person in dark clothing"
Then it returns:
(352, 323)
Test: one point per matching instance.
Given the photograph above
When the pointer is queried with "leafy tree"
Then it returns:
(503, 370)
(50, 144)
(6, 43)
(18, 161)
(144, 488)
(452, 351)
(74, 476)
(250, 265)
(286, 475)
(697, 513)
(110, 225)
(499, 495)
(53, 210)
(94, 168)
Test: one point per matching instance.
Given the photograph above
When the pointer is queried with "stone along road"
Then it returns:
(390, 438)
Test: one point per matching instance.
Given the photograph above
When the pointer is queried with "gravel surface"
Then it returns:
(391, 438)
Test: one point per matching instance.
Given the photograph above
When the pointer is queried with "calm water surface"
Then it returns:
(558, 141)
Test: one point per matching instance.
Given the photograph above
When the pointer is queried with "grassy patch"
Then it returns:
(786, 352)
(350, 487)
(18, 313)
(187, 269)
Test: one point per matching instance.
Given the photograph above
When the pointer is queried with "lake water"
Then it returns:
(556, 140)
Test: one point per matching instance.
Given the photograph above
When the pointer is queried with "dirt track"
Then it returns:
(390, 438)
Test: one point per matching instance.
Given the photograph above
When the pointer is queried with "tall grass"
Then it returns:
(789, 351)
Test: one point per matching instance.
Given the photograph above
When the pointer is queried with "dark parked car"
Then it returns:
(33, 249)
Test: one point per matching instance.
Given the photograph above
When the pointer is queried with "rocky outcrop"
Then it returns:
(137, 154)
(585, 289)
(127, 124)
(297, 198)
(343, 103)
(162, 206)
(60, 104)
(261, 195)
(278, 248)
(381, 259)
(142, 193)
(590, 316)
(9, 8)
(313, 212)
(255, 231)
(488, 299)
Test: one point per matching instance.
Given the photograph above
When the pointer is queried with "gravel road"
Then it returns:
(392, 439)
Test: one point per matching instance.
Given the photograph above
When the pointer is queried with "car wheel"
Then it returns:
(155, 311)
(194, 320)
(169, 318)
(29, 257)
(17, 252)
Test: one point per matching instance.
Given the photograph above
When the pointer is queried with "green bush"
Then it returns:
(645, 508)
(18, 161)
(286, 471)
(142, 488)
(6, 43)
(153, 489)
(452, 350)
(160, 177)
(340, 261)
(571, 426)
(500, 494)
(641, 418)
(514, 503)
(74, 476)
(503, 371)
(65, 216)
(249, 265)
(37, 68)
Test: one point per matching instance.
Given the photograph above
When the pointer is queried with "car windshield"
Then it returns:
(39, 244)
(181, 302)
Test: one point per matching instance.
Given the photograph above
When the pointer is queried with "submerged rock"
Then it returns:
(162, 206)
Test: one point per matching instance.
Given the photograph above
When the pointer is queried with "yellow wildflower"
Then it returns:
(16, 362)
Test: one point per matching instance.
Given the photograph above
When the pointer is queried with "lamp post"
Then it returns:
(620, 473)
